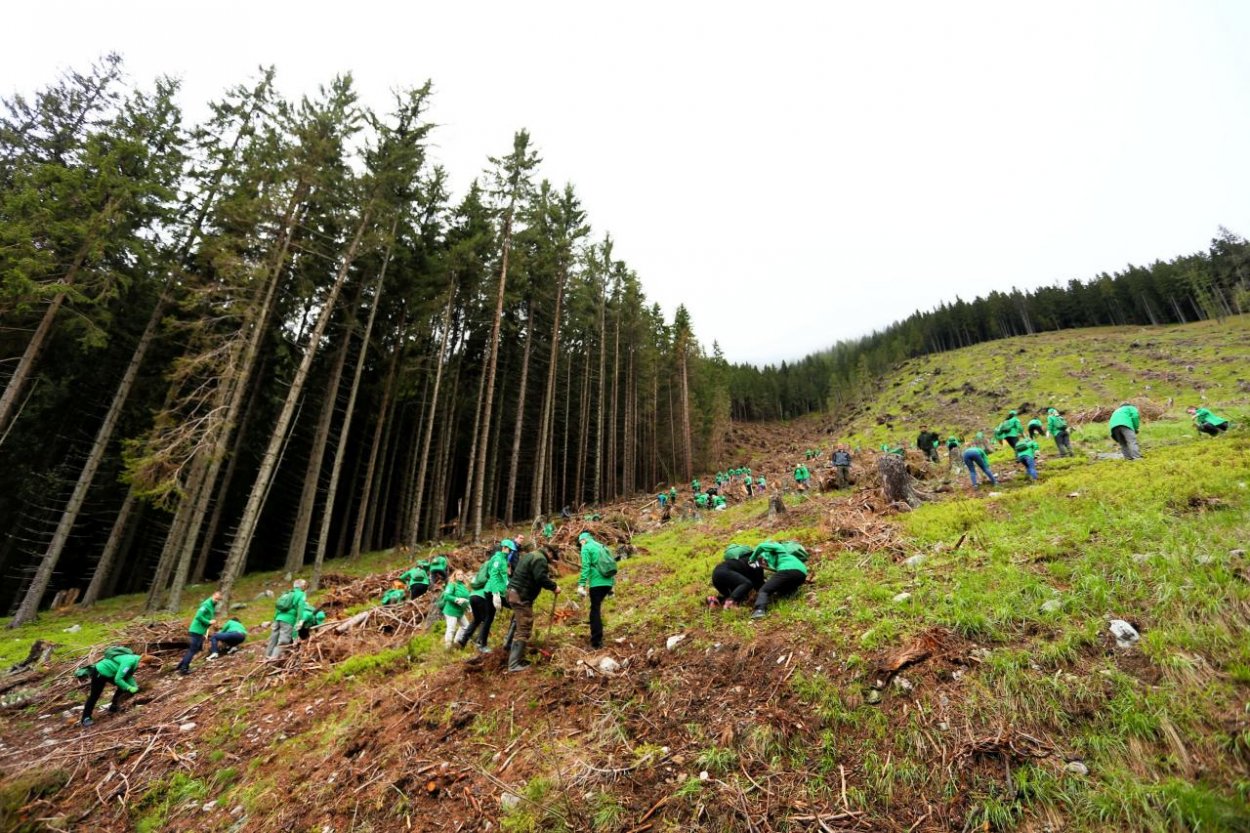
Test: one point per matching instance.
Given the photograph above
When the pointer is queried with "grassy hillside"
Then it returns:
(946, 669)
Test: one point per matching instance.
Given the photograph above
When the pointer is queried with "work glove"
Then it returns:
(581, 590)
(497, 600)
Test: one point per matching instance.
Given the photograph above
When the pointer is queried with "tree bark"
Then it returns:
(105, 565)
(546, 437)
(479, 486)
(514, 463)
(428, 429)
(362, 512)
(251, 513)
(896, 482)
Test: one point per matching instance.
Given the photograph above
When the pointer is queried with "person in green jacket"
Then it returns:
(290, 610)
(952, 450)
(974, 458)
(205, 617)
(1009, 430)
(1035, 428)
(117, 667)
(438, 569)
(396, 594)
(1057, 427)
(549, 529)
(486, 594)
(788, 572)
(455, 601)
(696, 486)
(592, 581)
(761, 485)
(1025, 451)
(231, 635)
(672, 496)
(700, 500)
(719, 502)
(1124, 425)
(529, 577)
(1207, 422)
(313, 616)
(417, 579)
(801, 476)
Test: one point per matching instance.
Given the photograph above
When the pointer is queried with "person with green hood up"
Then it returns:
(1125, 423)
(529, 577)
(787, 561)
(700, 500)
(953, 444)
(549, 529)
(231, 635)
(1036, 429)
(735, 577)
(719, 503)
(417, 579)
(1025, 451)
(486, 593)
(1207, 422)
(597, 579)
(1009, 430)
(205, 617)
(696, 486)
(438, 569)
(117, 667)
(1057, 427)
(761, 485)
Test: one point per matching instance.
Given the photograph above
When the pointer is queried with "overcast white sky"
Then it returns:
(795, 173)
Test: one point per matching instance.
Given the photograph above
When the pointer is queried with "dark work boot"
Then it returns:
(516, 657)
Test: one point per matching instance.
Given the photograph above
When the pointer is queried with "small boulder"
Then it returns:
(209, 806)
(75, 628)
(873, 697)
(1076, 768)
(1126, 636)
(915, 561)
(508, 801)
(607, 665)
(1051, 606)
(186, 727)
(674, 641)
(902, 597)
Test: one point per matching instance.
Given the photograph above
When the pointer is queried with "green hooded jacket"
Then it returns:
(204, 614)
(455, 590)
(394, 596)
(1055, 424)
(233, 626)
(777, 557)
(415, 575)
(439, 562)
(590, 575)
(1026, 448)
(1125, 416)
(121, 671)
(801, 474)
(1009, 427)
(1202, 416)
(298, 611)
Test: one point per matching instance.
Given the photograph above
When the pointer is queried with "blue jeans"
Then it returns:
(197, 645)
(1029, 465)
(974, 461)
(233, 639)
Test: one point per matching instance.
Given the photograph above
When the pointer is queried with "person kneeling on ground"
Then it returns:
(598, 577)
(417, 579)
(455, 600)
(288, 613)
(231, 635)
(117, 667)
(719, 502)
(205, 617)
(1025, 451)
(529, 577)
(735, 577)
(787, 562)
(974, 458)
(396, 594)
(1207, 422)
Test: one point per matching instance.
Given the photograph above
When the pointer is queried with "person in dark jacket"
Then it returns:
(842, 465)
(735, 577)
(927, 442)
(529, 577)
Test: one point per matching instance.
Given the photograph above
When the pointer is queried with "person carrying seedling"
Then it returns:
(1009, 430)
(486, 593)
(597, 579)
(1025, 451)
(438, 569)
(1036, 429)
(205, 617)
(735, 577)
(974, 458)
(529, 577)
(231, 636)
(801, 476)
(1125, 423)
(396, 594)
(1057, 427)
(787, 561)
(117, 667)
(1207, 422)
(455, 601)
(417, 580)
(289, 610)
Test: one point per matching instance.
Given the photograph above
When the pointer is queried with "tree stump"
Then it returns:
(896, 482)
(776, 506)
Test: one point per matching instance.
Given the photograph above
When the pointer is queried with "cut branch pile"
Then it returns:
(855, 526)
(1148, 410)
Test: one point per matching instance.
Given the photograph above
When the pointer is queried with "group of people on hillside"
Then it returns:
(740, 480)
(771, 570)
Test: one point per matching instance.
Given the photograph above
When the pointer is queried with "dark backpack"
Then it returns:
(285, 602)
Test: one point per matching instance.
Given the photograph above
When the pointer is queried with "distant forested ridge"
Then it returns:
(1195, 287)
(276, 337)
